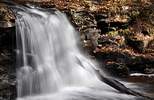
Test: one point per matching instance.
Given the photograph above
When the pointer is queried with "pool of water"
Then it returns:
(141, 83)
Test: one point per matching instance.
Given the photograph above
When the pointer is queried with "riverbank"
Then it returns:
(119, 35)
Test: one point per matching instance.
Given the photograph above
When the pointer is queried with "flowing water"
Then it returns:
(50, 65)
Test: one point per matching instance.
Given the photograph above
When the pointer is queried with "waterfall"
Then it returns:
(49, 61)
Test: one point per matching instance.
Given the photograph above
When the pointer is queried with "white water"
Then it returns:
(50, 65)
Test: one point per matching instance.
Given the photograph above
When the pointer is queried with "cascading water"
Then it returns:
(50, 65)
(50, 57)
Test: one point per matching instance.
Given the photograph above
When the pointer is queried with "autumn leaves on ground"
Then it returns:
(119, 34)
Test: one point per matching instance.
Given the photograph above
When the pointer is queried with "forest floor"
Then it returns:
(119, 34)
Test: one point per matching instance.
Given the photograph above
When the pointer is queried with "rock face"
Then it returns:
(7, 60)
(121, 37)
(6, 17)
(7, 43)
(118, 33)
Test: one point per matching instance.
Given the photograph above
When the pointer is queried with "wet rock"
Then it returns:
(115, 47)
(111, 23)
(149, 70)
(135, 62)
(124, 38)
(101, 16)
(7, 78)
(85, 23)
(117, 69)
(7, 85)
(111, 39)
(90, 37)
(139, 41)
(136, 44)
(102, 22)
(7, 35)
(83, 19)
(151, 44)
(106, 40)
(142, 64)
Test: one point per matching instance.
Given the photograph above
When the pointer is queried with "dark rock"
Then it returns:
(7, 37)
(7, 87)
(136, 68)
(118, 61)
(106, 23)
(100, 16)
(117, 69)
(7, 78)
(149, 70)
(119, 86)
(145, 32)
(151, 44)
(136, 44)
(111, 39)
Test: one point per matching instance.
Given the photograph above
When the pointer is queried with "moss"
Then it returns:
(113, 33)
